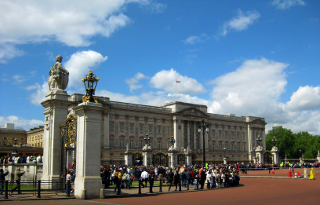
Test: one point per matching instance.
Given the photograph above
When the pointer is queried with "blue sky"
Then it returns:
(254, 58)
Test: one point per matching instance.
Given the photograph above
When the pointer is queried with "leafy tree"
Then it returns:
(290, 143)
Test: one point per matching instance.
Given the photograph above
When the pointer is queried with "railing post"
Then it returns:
(39, 188)
(160, 188)
(6, 190)
(139, 186)
(68, 188)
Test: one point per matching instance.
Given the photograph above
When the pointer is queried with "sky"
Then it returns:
(252, 58)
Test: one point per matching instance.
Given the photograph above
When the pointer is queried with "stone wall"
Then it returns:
(33, 171)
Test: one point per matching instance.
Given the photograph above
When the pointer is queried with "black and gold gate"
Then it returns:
(267, 157)
(137, 159)
(68, 144)
(160, 159)
(181, 159)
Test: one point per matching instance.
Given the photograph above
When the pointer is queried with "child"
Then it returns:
(195, 183)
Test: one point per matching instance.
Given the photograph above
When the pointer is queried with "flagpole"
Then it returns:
(176, 88)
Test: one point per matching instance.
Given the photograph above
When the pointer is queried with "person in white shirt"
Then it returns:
(145, 176)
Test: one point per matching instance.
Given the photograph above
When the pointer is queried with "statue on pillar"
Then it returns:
(59, 76)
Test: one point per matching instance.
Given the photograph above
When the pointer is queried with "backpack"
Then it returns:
(128, 177)
(119, 175)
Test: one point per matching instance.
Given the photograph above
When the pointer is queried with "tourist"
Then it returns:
(18, 176)
(2, 179)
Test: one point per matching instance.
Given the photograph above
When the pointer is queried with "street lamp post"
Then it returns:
(254, 154)
(172, 141)
(274, 141)
(203, 128)
(147, 140)
(259, 139)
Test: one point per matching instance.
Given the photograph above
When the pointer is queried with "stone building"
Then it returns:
(35, 137)
(8, 144)
(126, 125)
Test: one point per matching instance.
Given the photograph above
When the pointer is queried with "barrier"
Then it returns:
(290, 173)
(273, 171)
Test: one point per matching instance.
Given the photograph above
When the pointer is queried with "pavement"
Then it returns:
(258, 182)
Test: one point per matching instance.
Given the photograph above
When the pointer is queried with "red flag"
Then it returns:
(177, 81)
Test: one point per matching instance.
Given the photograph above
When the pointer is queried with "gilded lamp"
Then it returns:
(90, 83)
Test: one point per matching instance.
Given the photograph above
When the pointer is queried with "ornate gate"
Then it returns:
(68, 144)
(137, 159)
(267, 157)
(160, 159)
(181, 159)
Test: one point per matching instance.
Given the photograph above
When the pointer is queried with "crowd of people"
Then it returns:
(18, 159)
(211, 176)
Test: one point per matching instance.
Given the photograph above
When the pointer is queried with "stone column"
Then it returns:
(188, 134)
(225, 160)
(89, 122)
(128, 158)
(275, 154)
(259, 155)
(173, 157)
(194, 136)
(318, 156)
(147, 157)
(187, 152)
(176, 131)
(56, 111)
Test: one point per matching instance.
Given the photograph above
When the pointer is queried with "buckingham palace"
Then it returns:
(124, 127)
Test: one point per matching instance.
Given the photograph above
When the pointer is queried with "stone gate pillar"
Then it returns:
(89, 121)
(259, 158)
(128, 157)
(275, 154)
(55, 113)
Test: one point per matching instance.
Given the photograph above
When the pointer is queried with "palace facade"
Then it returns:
(125, 125)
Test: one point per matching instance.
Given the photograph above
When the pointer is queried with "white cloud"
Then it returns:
(166, 80)
(79, 65)
(18, 79)
(241, 22)
(8, 51)
(252, 89)
(196, 39)
(69, 22)
(40, 94)
(133, 82)
(305, 98)
(285, 4)
(20, 122)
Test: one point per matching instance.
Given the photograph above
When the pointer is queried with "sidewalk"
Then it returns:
(31, 196)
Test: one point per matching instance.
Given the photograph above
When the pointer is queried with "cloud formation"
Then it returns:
(68, 22)
(20, 122)
(305, 98)
(166, 80)
(133, 82)
(240, 22)
(196, 39)
(285, 4)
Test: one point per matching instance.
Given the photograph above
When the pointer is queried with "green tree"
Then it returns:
(285, 141)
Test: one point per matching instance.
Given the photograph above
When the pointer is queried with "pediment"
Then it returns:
(193, 112)
(259, 121)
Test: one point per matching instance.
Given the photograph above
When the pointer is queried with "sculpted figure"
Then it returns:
(59, 76)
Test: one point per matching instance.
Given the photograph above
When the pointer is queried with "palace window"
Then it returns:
(131, 144)
(5, 138)
(232, 147)
(219, 133)
(150, 128)
(111, 143)
(159, 144)
(220, 147)
(167, 130)
(159, 129)
(141, 128)
(141, 144)
(212, 146)
(213, 133)
(238, 134)
(131, 127)
(121, 126)
(232, 135)
(226, 134)
(121, 143)
(111, 126)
